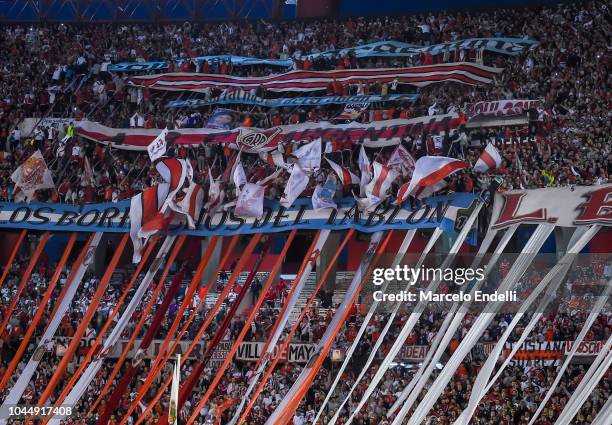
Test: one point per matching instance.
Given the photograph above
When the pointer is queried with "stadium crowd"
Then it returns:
(65, 74)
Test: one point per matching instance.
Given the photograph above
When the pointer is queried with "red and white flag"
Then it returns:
(33, 175)
(377, 190)
(298, 181)
(429, 173)
(250, 201)
(273, 158)
(401, 161)
(152, 210)
(344, 174)
(489, 159)
(366, 171)
(352, 111)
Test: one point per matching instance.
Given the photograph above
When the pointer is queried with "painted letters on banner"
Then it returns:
(246, 98)
(503, 45)
(501, 108)
(563, 206)
(442, 211)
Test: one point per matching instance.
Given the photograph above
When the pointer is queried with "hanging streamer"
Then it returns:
(11, 258)
(291, 334)
(60, 309)
(456, 316)
(415, 315)
(529, 251)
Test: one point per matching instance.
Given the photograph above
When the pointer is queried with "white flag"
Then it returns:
(33, 175)
(401, 161)
(215, 194)
(239, 176)
(377, 190)
(298, 181)
(157, 148)
(309, 156)
(429, 171)
(174, 393)
(366, 171)
(250, 201)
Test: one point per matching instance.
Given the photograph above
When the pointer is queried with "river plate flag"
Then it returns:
(429, 172)
(250, 201)
(489, 159)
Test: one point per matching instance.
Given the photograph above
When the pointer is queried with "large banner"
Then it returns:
(503, 45)
(305, 81)
(248, 351)
(549, 350)
(245, 98)
(375, 134)
(563, 206)
(501, 108)
(447, 212)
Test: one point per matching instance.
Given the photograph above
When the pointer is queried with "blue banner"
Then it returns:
(447, 212)
(245, 98)
(504, 45)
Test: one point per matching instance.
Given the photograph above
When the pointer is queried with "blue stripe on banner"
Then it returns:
(446, 212)
(504, 45)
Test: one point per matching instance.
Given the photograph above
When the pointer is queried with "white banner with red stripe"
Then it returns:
(303, 81)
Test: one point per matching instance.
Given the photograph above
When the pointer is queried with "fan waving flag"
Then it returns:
(157, 148)
(429, 173)
(489, 159)
(33, 175)
(344, 174)
(366, 171)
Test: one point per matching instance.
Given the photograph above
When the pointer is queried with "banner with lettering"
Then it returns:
(447, 212)
(563, 206)
(375, 134)
(245, 98)
(504, 45)
(500, 108)
(304, 81)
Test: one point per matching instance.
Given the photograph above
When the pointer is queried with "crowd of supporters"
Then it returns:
(64, 74)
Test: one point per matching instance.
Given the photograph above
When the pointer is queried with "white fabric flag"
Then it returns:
(46, 341)
(377, 190)
(157, 148)
(401, 161)
(430, 170)
(309, 156)
(239, 176)
(366, 171)
(344, 174)
(298, 181)
(250, 201)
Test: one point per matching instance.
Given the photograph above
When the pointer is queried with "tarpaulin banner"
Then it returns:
(503, 45)
(501, 108)
(562, 206)
(447, 212)
(245, 98)
(374, 134)
(548, 350)
(304, 81)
